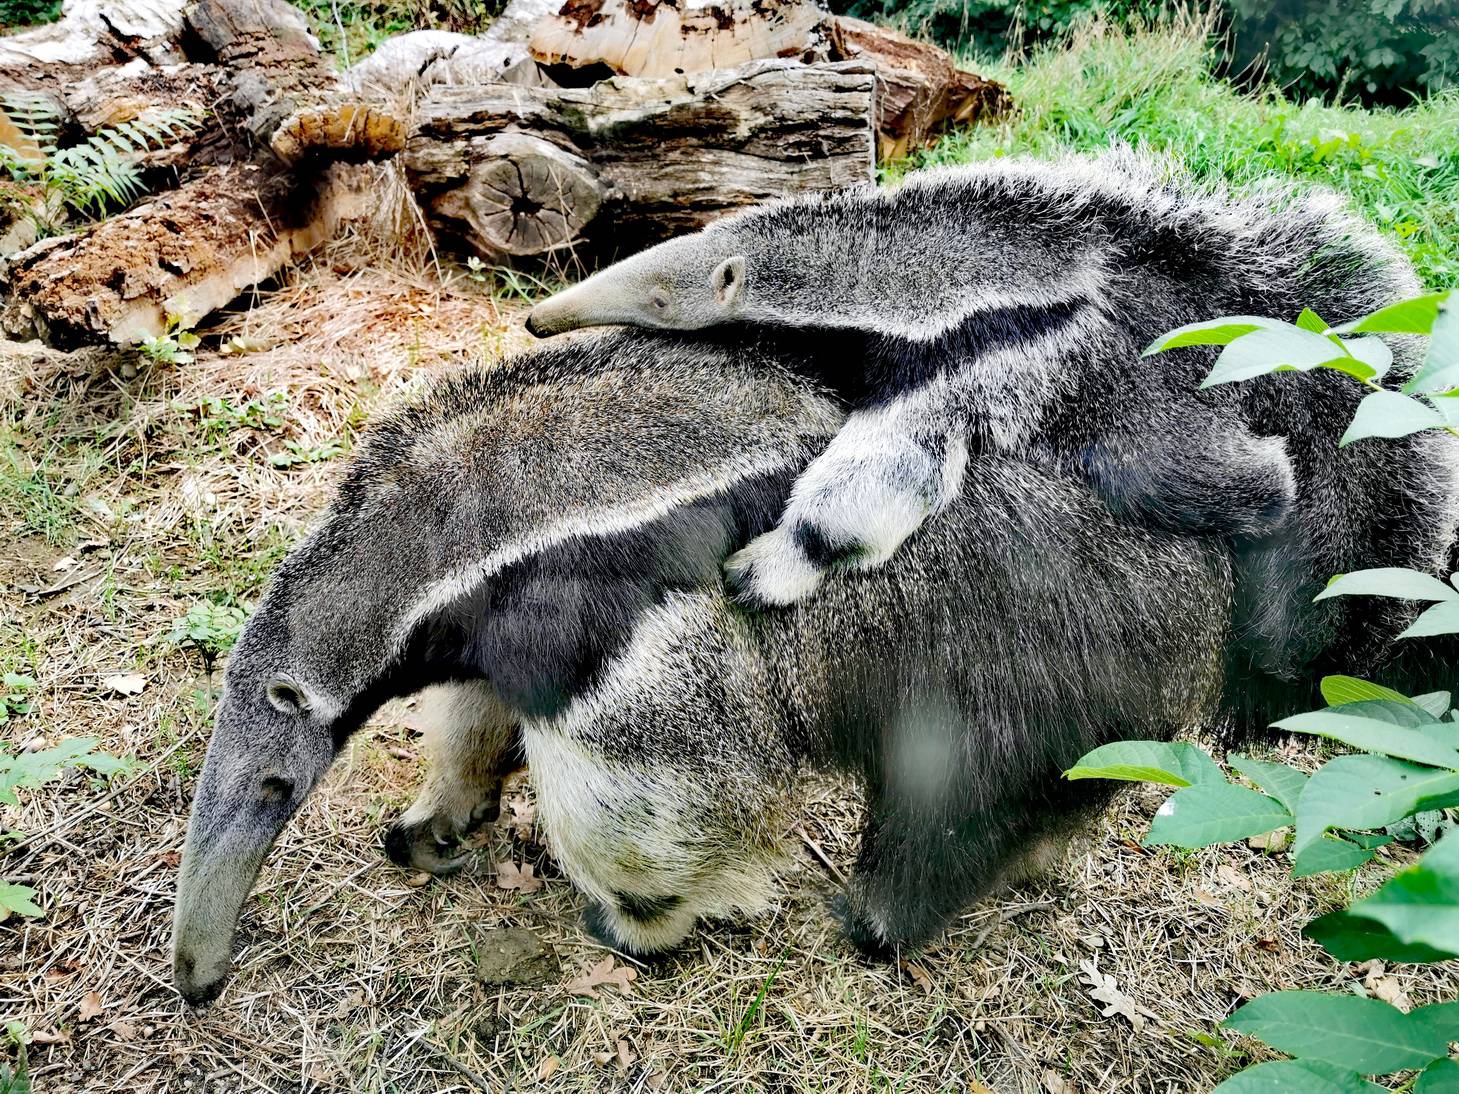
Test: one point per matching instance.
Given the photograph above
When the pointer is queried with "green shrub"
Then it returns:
(1373, 49)
(1378, 49)
(21, 13)
(1405, 767)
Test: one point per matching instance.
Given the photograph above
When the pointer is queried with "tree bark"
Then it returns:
(639, 159)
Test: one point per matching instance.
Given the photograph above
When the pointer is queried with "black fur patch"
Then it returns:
(646, 909)
(542, 629)
(821, 552)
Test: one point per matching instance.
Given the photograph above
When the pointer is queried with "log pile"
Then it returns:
(589, 127)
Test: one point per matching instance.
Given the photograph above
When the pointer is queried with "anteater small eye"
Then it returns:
(286, 697)
(659, 301)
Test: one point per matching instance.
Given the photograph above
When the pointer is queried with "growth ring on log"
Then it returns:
(526, 196)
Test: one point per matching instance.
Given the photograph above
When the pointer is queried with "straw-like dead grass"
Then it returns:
(127, 501)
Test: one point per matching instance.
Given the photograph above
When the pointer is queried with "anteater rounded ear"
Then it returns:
(726, 280)
(286, 696)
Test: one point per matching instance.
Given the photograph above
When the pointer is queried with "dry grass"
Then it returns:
(127, 501)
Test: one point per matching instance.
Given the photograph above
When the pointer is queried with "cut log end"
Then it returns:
(524, 196)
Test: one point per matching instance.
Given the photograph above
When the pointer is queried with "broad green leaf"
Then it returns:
(1296, 1077)
(1212, 332)
(1440, 1077)
(1349, 689)
(1367, 840)
(1274, 346)
(1374, 354)
(1368, 1036)
(1353, 938)
(1173, 764)
(1440, 370)
(1435, 702)
(1415, 316)
(1440, 619)
(1447, 404)
(1442, 1018)
(1421, 904)
(1390, 414)
(17, 899)
(1401, 713)
(1329, 855)
(1373, 735)
(1310, 320)
(1368, 792)
(1391, 581)
(1199, 816)
(1277, 780)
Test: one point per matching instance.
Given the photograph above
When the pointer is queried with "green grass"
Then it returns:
(1155, 87)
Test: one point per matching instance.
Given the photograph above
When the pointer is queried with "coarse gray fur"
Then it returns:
(1003, 307)
(541, 544)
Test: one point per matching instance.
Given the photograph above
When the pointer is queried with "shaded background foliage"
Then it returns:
(1375, 50)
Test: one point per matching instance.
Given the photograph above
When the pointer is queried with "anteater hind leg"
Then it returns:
(929, 853)
(471, 743)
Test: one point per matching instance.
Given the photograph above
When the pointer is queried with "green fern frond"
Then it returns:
(37, 116)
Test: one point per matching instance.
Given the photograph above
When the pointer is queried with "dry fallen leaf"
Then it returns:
(975, 1087)
(127, 1031)
(511, 876)
(90, 1007)
(1271, 842)
(1055, 1083)
(418, 879)
(547, 1067)
(657, 1079)
(919, 976)
(1233, 877)
(1385, 987)
(1103, 989)
(524, 813)
(603, 975)
(126, 683)
(626, 1056)
(48, 1037)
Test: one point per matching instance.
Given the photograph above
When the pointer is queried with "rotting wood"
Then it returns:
(919, 89)
(184, 253)
(658, 39)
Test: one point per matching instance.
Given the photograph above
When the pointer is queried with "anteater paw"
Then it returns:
(771, 572)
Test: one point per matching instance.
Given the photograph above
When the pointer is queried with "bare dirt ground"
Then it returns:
(127, 501)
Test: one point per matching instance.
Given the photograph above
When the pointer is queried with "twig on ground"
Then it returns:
(821, 856)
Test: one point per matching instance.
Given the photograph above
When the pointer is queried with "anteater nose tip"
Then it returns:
(535, 328)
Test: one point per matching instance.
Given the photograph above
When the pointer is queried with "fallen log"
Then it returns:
(601, 124)
(919, 89)
(180, 255)
(531, 171)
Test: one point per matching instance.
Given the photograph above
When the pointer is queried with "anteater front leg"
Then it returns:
(878, 481)
(471, 743)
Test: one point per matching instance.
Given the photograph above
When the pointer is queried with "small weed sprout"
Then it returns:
(27, 770)
(173, 346)
(210, 628)
(15, 698)
(295, 452)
